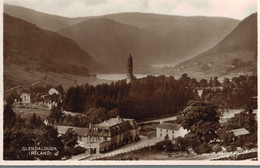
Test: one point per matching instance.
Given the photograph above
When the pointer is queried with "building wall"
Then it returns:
(104, 143)
(161, 133)
(25, 98)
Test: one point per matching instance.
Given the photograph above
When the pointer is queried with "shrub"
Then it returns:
(73, 151)
(216, 148)
(180, 144)
(203, 148)
(231, 148)
(250, 145)
(164, 145)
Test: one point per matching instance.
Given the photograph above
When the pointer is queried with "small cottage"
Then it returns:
(26, 98)
(53, 91)
(170, 131)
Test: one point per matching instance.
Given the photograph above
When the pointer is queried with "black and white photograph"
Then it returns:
(130, 80)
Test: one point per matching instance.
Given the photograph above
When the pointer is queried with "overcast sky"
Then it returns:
(238, 9)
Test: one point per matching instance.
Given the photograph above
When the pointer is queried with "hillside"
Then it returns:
(151, 38)
(236, 53)
(42, 20)
(34, 49)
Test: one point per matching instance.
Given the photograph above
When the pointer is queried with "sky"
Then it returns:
(238, 9)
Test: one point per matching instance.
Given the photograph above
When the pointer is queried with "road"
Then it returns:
(26, 85)
(159, 120)
(143, 142)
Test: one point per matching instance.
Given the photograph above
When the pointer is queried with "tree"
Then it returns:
(215, 82)
(55, 115)
(47, 136)
(210, 82)
(33, 120)
(15, 140)
(164, 145)
(70, 139)
(243, 119)
(36, 120)
(201, 119)
(226, 137)
(9, 116)
(11, 97)
(227, 83)
(203, 83)
(180, 144)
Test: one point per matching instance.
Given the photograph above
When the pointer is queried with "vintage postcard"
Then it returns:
(103, 82)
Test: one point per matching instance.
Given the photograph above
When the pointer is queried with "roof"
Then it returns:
(169, 126)
(113, 126)
(111, 122)
(52, 91)
(240, 131)
(81, 131)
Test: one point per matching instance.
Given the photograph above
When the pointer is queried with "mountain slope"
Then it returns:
(32, 48)
(42, 20)
(152, 39)
(236, 52)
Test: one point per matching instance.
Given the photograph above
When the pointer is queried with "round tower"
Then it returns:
(129, 69)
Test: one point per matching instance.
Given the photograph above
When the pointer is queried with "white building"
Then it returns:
(105, 136)
(53, 91)
(26, 98)
(170, 131)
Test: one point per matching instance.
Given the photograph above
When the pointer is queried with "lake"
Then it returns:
(116, 77)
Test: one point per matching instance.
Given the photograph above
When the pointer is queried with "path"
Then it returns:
(143, 142)
(172, 118)
(30, 84)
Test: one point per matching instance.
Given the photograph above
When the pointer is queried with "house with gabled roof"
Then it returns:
(104, 136)
(26, 98)
(170, 131)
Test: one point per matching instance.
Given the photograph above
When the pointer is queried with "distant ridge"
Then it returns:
(42, 20)
(237, 52)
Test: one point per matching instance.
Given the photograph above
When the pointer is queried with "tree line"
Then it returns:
(158, 96)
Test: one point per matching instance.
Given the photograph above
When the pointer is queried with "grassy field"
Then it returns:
(148, 154)
(26, 113)
(19, 79)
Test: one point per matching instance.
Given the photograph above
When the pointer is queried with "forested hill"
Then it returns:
(32, 48)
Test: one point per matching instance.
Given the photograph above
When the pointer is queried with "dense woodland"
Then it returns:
(158, 96)
(144, 98)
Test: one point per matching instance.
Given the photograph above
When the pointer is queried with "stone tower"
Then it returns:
(129, 77)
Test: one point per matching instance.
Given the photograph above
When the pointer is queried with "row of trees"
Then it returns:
(157, 96)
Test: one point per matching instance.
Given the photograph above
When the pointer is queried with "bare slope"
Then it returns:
(236, 52)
